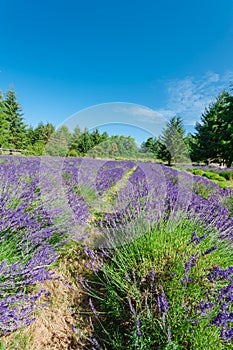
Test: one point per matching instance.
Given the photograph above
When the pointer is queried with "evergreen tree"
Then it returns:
(5, 134)
(30, 135)
(85, 143)
(192, 147)
(13, 111)
(75, 139)
(96, 137)
(150, 145)
(58, 143)
(214, 137)
(43, 132)
(163, 152)
(171, 144)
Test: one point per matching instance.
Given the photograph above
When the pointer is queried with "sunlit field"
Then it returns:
(138, 255)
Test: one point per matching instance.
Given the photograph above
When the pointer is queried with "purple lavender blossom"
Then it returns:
(93, 308)
(195, 239)
(131, 306)
(210, 250)
(162, 303)
(187, 268)
(138, 332)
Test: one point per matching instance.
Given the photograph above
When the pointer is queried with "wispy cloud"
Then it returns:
(137, 110)
(141, 113)
(187, 98)
(190, 96)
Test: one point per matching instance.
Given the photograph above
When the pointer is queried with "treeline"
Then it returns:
(45, 139)
(212, 141)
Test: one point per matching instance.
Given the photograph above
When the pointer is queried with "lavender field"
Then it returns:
(154, 245)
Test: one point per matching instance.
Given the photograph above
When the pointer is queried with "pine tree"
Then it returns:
(150, 145)
(85, 143)
(58, 143)
(43, 132)
(75, 139)
(214, 137)
(13, 112)
(5, 134)
(171, 144)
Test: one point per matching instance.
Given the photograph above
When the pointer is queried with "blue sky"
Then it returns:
(173, 57)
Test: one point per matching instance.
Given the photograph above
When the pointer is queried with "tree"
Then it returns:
(97, 138)
(4, 126)
(43, 132)
(58, 143)
(150, 145)
(116, 146)
(85, 143)
(75, 139)
(171, 144)
(192, 147)
(123, 146)
(30, 135)
(13, 112)
(163, 152)
(214, 137)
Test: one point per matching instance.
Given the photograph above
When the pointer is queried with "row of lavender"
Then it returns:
(154, 193)
(25, 231)
(40, 208)
(33, 224)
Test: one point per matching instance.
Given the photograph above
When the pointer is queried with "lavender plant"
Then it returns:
(179, 269)
(150, 293)
(159, 277)
(26, 251)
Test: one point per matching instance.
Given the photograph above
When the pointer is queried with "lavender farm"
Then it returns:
(150, 249)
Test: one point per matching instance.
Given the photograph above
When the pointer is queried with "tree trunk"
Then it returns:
(228, 163)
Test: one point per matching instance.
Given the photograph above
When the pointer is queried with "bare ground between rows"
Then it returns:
(53, 329)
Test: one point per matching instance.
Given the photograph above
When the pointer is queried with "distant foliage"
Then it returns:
(4, 125)
(12, 126)
(170, 145)
(212, 142)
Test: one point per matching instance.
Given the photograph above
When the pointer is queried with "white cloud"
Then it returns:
(187, 98)
(228, 76)
(143, 113)
(138, 110)
(190, 96)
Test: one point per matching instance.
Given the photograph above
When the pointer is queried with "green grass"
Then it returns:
(87, 192)
(228, 203)
(2, 347)
(19, 341)
(222, 178)
(202, 190)
(10, 250)
(166, 251)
